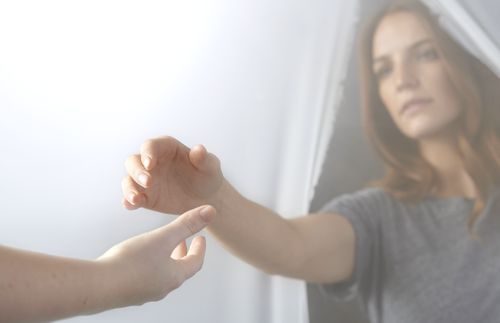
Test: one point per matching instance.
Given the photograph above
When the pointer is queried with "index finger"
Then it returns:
(188, 224)
(156, 149)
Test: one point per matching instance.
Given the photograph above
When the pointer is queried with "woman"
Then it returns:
(420, 247)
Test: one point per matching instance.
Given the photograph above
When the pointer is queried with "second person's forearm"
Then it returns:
(36, 287)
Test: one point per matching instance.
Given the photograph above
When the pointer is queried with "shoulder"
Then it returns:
(369, 207)
(365, 198)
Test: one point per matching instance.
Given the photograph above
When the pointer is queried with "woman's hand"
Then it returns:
(171, 178)
(149, 266)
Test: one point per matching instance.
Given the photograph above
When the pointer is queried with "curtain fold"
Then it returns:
(474, 24)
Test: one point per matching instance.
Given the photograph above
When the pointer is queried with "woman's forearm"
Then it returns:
(257, 234)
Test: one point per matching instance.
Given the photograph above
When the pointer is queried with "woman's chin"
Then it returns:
(423, 132)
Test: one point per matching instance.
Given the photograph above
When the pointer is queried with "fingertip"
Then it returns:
(129, 206)
(126, 204)
(200, 148)
(201, 240)
(207, 213)
(197, 155)
(135, 199)
(132, 198)
(143, 179)
(193, 261)
(148, 151)
(147, 161)
(179, 251)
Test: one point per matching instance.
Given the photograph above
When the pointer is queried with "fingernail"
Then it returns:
(206, 213)
(143, 179)
(146, 161)
(131, 197)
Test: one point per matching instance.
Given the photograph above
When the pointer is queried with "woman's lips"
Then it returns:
(414, 105)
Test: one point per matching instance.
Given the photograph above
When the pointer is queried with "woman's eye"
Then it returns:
(382, 72)
(429, 54)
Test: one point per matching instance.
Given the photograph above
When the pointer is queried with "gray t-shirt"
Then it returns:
(418, 263)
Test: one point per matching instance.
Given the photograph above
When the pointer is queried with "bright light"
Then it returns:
(72, 60)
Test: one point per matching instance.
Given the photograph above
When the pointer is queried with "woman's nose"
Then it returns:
(406, 78)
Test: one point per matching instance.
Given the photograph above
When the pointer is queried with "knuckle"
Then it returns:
(168, 140)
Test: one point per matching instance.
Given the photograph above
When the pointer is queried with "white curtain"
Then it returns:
(83, 83)
(474, 24)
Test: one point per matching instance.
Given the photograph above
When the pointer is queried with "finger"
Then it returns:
(133, 193)
(187, 224)
(198, 156)
(179, 251)
(160, 148)
(128, 205)
(203, 160)
(136, 170)
(197, 247)
(193, 261)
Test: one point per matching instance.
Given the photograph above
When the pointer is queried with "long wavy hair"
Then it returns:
(408, 175)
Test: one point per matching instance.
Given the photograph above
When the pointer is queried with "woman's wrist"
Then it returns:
(225, 197)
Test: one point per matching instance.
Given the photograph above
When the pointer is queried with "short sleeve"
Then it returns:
(362, 209)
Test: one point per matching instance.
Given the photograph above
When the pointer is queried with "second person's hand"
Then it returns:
(141, 268)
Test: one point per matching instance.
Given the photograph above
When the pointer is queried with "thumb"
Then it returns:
(203, 160)
(188, 224)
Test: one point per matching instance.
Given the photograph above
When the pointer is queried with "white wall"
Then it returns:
(83, 83)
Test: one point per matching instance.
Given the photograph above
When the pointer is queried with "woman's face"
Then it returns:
(412, 81)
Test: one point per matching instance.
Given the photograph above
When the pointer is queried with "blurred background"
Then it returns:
(269, 87)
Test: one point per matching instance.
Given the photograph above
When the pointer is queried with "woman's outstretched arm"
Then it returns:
(169, 177)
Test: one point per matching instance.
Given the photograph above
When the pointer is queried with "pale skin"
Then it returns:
(36, 287)
(408, 66)
(169, 177)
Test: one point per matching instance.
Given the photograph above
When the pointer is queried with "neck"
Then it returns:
(444, 156)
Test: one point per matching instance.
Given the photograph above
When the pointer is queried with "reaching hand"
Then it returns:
(169, 177)
(151, 265)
